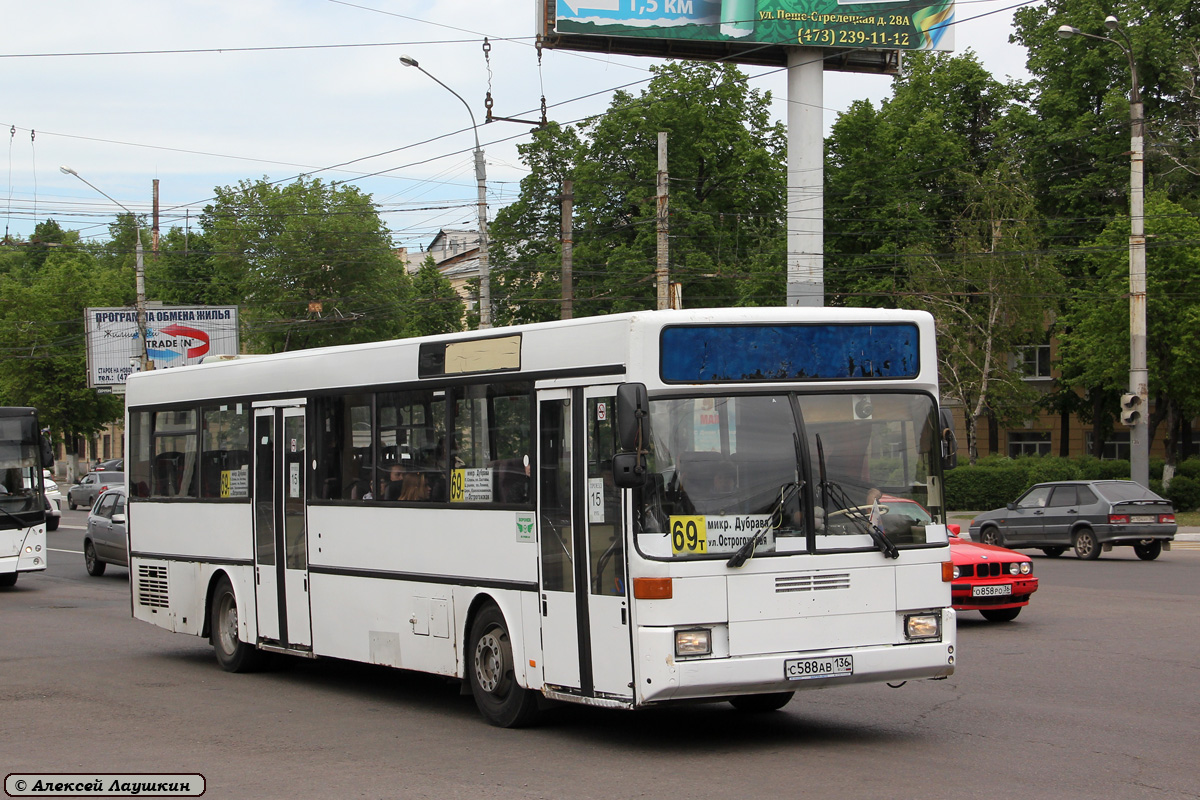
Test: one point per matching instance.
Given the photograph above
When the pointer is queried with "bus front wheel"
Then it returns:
(491, 673)
(761, 703)
(233, 654)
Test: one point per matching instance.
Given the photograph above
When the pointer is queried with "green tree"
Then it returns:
(1096, 352)
(928, 205)
(727, 181)
(989, 297)
(44, 361)
(313, 263)
(1079, 154)
(435, 306)
(185, 273)
(906, 173)
(525, 253)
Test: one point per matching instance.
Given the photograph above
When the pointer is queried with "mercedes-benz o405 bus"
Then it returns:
(622, 511)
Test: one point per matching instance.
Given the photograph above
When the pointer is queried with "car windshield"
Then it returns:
(793, 472)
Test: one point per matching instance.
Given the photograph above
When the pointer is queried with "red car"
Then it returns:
(992, 580)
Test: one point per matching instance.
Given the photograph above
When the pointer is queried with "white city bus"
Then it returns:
(621, 511)
(22, 499)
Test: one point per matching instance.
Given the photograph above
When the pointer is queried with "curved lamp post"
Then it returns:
(140, 272)
(485, 283)
(1139, 440)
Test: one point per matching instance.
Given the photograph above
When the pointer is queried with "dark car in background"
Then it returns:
(991, 580)
(90, 486)
(107, 537)
(1089, 516)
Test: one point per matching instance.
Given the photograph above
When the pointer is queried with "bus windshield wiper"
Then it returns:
(746, 551)
(831, 491)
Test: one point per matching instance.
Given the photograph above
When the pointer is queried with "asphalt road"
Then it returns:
(1090, 693)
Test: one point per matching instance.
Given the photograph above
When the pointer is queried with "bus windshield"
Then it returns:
(20, 478)
(799, 472)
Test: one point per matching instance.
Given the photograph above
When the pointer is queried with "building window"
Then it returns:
(1034, 361)
(1028, 443)
(1116, 446)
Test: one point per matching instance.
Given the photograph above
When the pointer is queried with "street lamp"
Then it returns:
(139, 271)
(485, 282)
(1139, 440)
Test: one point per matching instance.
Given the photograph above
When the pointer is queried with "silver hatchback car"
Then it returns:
(1089, 516)
(107, 538)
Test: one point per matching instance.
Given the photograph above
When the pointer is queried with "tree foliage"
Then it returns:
(928, 205)
(44, 361)
(312, 261)
(727, 179)
(1096, 350)
(435, 306)
(1082, 90)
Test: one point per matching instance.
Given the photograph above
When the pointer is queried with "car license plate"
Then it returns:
(1143, 518)
(991, 591)
(801, 669)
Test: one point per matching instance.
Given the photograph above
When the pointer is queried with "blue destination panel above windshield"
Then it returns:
(726, 353)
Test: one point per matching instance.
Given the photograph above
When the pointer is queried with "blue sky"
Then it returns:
(203, 93)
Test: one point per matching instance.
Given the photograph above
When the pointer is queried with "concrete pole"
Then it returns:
(485, 276)
(154, 226)
(568, 287)
(1139, 375)
(662, 273)
(805, 178)
(140, 287)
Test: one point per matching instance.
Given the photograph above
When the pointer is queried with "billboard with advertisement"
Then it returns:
(175, 336)
(749, 31)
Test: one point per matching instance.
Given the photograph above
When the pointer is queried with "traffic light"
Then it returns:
(1131, 409)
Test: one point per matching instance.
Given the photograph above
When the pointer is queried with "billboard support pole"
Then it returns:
(805, 177)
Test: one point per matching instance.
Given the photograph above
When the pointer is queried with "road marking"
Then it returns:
(1185, 545)
(57, 550)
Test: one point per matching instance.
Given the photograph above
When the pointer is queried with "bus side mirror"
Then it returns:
(949, 440)
(629, 470)
(633, 405)
(47, 451)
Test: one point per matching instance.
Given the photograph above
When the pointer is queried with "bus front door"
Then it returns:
(586, 644)
(281, 553)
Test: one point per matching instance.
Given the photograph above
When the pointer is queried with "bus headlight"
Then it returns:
(922, 626)
(694, 642)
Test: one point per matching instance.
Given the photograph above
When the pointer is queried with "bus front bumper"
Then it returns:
(661, 677)
(30, 556)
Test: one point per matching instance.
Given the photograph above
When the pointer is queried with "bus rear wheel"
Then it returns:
(233, 654)
(761, 703)
(491, 673)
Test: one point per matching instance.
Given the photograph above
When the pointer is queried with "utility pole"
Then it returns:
(568, 288)
(663, 279)
(154, 227)
(1135, 406)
